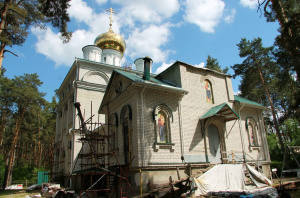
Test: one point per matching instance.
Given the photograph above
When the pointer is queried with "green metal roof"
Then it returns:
(222, 110)
(246, 101)
(139, 78)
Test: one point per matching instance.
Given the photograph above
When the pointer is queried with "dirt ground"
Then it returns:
(23, 193)
(17, 193)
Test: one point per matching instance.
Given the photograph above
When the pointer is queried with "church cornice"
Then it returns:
(90, 86)
(105, 67)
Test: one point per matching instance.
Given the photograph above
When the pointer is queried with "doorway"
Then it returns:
(214, 144)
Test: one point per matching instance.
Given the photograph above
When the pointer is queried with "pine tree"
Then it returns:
(212, 63)
(16, 16)
(27, 99)
(287, 13)
(5, 104)
(256, 71)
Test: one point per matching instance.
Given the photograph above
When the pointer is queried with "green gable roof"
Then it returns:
(139, 78)
(246, 101)
(222, 110)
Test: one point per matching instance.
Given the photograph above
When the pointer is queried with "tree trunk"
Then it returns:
(34, 154)
(10, 157)
(2, 26)
(2, 48)
(3, 14)
(2, 127)
(6, 173)
(272, 109)
(39, 149)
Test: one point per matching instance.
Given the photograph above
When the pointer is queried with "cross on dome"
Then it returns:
(110, 18)
(111, 40)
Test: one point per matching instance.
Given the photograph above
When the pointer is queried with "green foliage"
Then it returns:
(23, 14)
(55, 12)
(22, 102)
(212, 63)
(291, 131)
(23, 171)
(259, 81)
(287, 13)
(274, 148)
(16, 17)
(256, 57)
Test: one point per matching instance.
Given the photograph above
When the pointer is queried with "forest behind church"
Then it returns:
(269, 75)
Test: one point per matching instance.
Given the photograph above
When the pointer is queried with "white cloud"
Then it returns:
(148, 42)
(230, 18)
(204, 13)
(252, 4)
(146, 11)
(163, 67)
(97, 22)
(80, 11)
(201, 65)
(237, 92)
(50, 45)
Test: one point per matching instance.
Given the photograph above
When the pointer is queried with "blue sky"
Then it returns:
(166, 31)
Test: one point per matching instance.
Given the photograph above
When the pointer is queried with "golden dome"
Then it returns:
(111, 40)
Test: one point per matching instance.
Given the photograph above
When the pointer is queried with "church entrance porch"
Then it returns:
(213, 125)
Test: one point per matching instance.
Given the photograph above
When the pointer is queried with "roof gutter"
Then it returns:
(161, 87)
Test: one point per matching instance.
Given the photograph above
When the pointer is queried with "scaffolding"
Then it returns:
(99, 177)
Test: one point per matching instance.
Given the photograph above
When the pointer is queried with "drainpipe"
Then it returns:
(181, 132)
(143, 126)
(242, 137)
(72, 156)
(75, 91)
(73, 127)
(141, 182)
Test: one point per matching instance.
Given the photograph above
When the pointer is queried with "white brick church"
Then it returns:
(163, 126)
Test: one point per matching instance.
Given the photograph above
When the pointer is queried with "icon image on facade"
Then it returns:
(209, 98)
(161, 127)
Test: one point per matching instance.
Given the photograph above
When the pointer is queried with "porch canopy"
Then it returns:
(222, 110)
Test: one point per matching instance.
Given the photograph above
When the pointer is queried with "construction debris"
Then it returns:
(231, 181)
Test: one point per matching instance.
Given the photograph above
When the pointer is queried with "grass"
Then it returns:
(17, 193)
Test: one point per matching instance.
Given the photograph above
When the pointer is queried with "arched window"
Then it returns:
(113, 124)
(125, 117)
(252, 130)
(162, 116)
(104, 59)
(209, 93)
